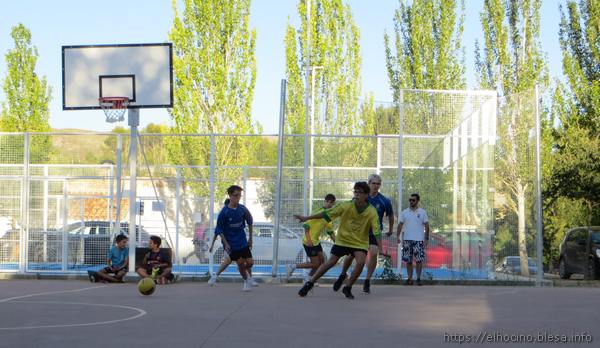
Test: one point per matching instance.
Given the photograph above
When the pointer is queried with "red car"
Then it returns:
(437, 253)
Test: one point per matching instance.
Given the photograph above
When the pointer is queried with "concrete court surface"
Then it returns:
(74, 313)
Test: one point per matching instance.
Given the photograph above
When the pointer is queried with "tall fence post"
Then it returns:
(23, 238)
(279, 178)
(134, 121)
(65, 217)
(400, 174)
(177, 210)
(538, 202)
(211, 197)
(119, 188)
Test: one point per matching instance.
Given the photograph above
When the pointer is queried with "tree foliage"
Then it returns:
(427, 54)
(512, 63)
(335, 52)
(214, 76)
(27, 98)
(576, 172)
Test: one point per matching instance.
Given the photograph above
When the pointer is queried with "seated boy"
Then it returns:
(157, 263)
(118, 259)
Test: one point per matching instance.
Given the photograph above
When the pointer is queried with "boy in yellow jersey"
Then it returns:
(357, 217)
(312, 239)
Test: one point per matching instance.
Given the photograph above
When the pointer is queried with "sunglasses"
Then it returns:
(412, 200)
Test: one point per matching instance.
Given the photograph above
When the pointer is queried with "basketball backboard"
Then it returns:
(141, 72)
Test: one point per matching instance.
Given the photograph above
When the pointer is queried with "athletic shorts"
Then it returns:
(244, 253)
(340, 251)
(161, 270)
(413, 249)
(313, 250)
(109, 270)
(372, 239)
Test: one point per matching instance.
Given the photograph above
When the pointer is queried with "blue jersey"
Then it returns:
(383, 206)
(117, 256)
(232, 223)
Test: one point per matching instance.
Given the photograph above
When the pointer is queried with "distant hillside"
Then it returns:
(87, 148)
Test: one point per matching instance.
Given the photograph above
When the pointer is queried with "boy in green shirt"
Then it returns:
(312, 239)
(356, 218)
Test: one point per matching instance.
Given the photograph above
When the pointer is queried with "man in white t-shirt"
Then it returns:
(415, 222)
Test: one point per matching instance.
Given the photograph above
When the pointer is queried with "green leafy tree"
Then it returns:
(513, 64)
(335, 61)
(27, 99)
(426, 53)
(334, 87)
(214, 72)
(335, 51)
(576, 173)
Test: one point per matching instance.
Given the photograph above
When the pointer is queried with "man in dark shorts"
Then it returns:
(311, 241)
(157, 263)
(357, 217)
(231, 223)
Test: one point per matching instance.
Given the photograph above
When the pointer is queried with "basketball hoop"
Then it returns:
(114, 108)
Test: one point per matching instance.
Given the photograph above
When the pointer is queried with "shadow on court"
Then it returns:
(191, 314)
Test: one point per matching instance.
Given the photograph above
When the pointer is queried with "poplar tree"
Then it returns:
(512, 63)
(27, 98)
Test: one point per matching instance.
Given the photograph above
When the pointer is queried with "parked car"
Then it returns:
(9, 246)
(88, 242)
(580, 253)
(512, 265)
(437, 253)
(290, 244)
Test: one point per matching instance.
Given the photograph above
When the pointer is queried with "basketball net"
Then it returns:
(114, 108)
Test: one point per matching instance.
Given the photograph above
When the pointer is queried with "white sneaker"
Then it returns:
(212, 280)
(247, 285)
(289, 269)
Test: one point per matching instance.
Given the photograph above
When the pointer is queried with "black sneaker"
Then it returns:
(367, 286)
(347, 290)
(338, 283)
(92, 276)
(306, 288)
(419, 282)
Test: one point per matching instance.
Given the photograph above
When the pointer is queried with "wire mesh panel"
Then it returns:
(440, 145)
(514, 247)
(469, 156)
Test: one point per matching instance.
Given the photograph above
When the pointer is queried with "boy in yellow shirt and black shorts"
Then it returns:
(312, 240)
(352, 238)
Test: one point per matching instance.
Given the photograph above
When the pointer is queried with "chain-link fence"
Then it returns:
(470, 156)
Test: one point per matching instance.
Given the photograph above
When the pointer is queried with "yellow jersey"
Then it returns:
(316, 228)
(353, 231)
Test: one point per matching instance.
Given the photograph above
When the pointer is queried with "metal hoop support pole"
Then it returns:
(134, 122)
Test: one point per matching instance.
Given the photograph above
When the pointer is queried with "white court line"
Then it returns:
(50, 293)
(140, 313)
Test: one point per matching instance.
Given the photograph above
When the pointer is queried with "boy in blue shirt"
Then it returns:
(118, 259)
(231, 223)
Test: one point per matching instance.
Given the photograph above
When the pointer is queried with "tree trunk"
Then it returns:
(521, 230)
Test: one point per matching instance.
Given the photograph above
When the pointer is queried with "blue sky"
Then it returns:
(71, 22)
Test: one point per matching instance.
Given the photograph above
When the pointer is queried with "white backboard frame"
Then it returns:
(141, 72)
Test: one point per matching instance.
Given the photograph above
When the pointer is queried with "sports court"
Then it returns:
(52, 313)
